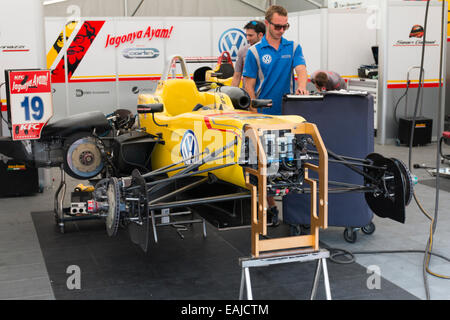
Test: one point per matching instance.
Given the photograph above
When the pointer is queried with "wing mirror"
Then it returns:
(150, 108)
(261, 103)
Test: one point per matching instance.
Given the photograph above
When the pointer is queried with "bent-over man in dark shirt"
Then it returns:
(328, 81)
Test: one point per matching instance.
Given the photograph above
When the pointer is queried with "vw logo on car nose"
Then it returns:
(232, 40)
(189, 147)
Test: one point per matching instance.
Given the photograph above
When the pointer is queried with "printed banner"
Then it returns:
(30, 101)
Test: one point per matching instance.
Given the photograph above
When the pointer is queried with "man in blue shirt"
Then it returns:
(268, 72)
(270, 63)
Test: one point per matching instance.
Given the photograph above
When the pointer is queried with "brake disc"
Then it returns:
(388, 200)
(113, 213)
(84, 158)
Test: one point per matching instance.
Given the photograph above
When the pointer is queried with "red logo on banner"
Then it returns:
(27, 131)
(149, 33)
(29, 82)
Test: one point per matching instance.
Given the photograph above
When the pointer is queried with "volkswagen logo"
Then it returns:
(267, 59)
(189, 147)
(232, 40)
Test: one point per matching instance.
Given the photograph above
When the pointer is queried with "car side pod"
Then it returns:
(258, 188)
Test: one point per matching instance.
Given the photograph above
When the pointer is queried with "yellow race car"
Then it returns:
(191, 145)
(209, 137)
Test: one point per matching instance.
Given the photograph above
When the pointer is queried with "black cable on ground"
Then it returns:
(337, 252)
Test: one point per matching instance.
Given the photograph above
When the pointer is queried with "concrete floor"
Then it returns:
(23, 273)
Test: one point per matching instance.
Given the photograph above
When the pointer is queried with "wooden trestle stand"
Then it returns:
(287, 249)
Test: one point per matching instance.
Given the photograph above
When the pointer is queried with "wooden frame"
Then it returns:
(259, 192)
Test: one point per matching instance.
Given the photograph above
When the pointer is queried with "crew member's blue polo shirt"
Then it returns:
(275, 78)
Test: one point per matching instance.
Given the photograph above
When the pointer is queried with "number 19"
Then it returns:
(36, 105)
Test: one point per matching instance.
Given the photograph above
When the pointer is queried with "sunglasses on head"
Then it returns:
(280, 26)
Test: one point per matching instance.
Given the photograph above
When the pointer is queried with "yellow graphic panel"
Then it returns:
(59, 43)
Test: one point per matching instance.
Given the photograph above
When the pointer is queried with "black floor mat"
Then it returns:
(193, 268)
(444, 183)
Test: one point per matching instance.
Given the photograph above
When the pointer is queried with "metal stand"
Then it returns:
(59, 199)
(60, 194)
(165, 221)
(294, 256)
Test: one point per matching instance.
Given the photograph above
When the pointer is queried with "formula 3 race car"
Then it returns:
(186, 147)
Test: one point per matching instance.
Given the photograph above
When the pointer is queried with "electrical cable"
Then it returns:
(424, 273)
(400, 99)
(337, 252)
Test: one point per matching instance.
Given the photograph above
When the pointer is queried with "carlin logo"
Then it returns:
(140, 53)
(416, 32)
(189, 147)
(232, 40)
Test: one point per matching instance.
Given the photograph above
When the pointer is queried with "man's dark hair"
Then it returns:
(258, 26)
(321, 79)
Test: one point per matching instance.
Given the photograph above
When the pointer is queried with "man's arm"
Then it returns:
(238, 68)
(302, 79)
(236, 79)
(250, 84)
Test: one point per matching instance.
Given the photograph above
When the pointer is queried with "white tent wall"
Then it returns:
(300, 5)
(154, 8)
(107, 78)
(399, 51)
(335, 39)
(332, 39)
(187, 8)
(318, 31)
(21, 46)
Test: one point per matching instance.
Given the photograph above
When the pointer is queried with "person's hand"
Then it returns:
(301, 91)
